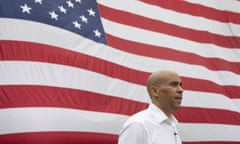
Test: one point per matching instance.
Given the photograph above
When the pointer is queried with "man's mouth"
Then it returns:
(178, 98)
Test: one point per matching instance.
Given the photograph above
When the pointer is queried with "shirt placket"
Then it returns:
(176, 136)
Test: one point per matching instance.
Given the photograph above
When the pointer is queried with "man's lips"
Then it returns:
(178, 97)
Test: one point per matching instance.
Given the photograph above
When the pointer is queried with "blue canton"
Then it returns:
(78, 16)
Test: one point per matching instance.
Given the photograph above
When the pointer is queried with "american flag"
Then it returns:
(73, 71)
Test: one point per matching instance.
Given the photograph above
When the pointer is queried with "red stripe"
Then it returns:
(207, 115)
(198, 10)
(16, 50)
(74, 138)
(169, 54)
(40, 96)
(43, 96)
(208, 86)
(58, 138)
(170, 29)
(50, 54)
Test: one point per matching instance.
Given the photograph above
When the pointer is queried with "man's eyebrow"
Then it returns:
(176, 82)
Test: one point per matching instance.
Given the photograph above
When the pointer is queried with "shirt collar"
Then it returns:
(160, 116)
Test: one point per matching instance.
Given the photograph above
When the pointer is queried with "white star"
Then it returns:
(91, 12)
(83, 19)
(53, 15)
(62, 9)
(77, 25)
(70, 4)
(78, 1)
(97, 33)
(25, 8)
(38, 1)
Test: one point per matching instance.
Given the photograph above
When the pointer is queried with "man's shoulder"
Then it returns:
(151, 115)
(139, 117)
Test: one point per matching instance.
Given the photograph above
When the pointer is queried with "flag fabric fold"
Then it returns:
(73, 71)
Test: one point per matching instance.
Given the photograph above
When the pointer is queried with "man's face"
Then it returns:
(170, 93)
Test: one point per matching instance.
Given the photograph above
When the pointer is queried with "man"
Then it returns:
(156, 124)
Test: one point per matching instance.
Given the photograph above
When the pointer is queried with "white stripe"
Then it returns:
(236, 101)
(173, 17)
(82, 45)
(209, 100)
(15, 120)
(176, 43)
(18, 120)
(209, 132)
(35, 73)
(225, 5)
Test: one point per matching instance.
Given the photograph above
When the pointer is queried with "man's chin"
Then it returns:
(177, 107)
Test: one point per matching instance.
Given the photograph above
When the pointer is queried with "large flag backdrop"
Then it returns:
(72, 71)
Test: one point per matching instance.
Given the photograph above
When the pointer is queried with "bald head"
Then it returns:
(158, 77)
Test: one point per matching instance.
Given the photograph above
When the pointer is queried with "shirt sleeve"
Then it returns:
(134, 133)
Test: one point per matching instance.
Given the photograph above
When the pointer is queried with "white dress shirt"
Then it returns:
(150, 126)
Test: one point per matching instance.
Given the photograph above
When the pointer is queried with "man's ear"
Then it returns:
(154, 91)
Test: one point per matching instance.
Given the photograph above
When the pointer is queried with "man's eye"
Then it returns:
(174, 84)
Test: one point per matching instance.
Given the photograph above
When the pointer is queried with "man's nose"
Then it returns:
(180, 89)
